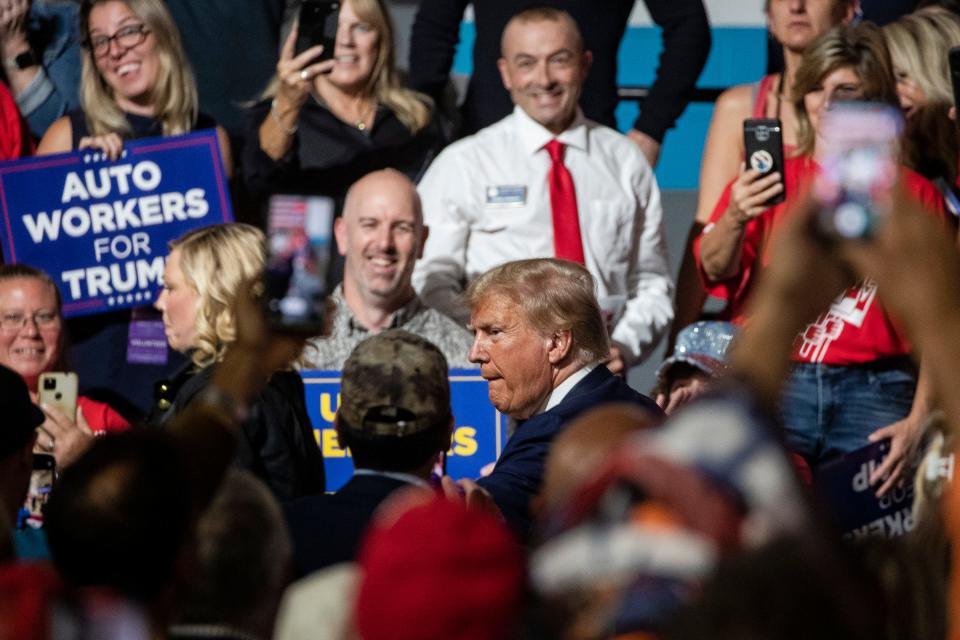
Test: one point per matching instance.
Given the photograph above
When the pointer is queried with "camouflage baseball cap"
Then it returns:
(394, 385)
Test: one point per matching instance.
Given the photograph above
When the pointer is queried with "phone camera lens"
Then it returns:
(49, 384)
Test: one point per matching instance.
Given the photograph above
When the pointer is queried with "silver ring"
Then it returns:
(50, 446)
(304, 75)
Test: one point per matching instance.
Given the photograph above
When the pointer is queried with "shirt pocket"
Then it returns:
(498, 218)
(610, 224)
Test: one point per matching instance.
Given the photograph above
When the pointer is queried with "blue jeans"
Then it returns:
(828, 410)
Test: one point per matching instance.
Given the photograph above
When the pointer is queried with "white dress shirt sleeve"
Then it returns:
(440, 274)
(649, 306)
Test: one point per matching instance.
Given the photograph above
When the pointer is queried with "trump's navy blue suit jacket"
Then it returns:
(517, 476)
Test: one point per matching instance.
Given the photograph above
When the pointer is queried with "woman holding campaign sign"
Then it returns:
(205, 271)
(853, 380)
(336, 110)
(136, 82)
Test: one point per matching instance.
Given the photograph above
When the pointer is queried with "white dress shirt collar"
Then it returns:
(561, 390)
(533, 135)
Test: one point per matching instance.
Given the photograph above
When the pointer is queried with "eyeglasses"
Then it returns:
(126, 37)
(14, 321)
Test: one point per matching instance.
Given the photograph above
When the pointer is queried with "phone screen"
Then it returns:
(856, 151)
(317, 24)
(299, 234)
(41, 482)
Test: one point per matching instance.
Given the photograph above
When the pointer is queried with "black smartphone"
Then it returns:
(318, 25)
(299, 241)
(763, 143)
(954, 58)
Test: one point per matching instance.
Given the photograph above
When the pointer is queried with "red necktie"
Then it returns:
(563, 201)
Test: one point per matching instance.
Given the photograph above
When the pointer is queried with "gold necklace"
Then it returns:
(361, 122)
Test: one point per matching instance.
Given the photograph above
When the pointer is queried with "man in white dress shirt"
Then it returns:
(505, 193)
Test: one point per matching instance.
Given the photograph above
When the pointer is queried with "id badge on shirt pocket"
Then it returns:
(506, 195)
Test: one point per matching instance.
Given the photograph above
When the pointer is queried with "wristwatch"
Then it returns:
(23, 60)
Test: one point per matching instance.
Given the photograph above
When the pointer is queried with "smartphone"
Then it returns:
(857, 154)
(299, 239)
(60, 390)
(954, 58)
(763, 143)
(41, 482)
(318, 25)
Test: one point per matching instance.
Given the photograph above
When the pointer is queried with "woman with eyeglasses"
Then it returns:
(135, 83)
(853, 379)
(32, 341)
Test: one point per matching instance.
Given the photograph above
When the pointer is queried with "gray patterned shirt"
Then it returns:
(330, 352)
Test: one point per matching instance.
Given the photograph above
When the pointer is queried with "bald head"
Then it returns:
(381, 235)
(387, 185)
(541, 14)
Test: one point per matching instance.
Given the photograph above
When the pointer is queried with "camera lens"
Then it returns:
(49, 383)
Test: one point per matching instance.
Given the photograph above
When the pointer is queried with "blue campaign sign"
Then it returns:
(844, 484)
(479, 435)
(101, 228)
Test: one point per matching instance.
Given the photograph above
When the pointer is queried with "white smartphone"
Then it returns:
(59, 389)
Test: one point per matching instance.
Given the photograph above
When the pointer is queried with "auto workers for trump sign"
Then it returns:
(100, 228)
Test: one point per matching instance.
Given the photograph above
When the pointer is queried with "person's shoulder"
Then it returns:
(204, 121)
(601, 386)
(617, 150)
(735, 102)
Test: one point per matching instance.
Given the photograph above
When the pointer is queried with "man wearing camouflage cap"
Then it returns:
(395, 417)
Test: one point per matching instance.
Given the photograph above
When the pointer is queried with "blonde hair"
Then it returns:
(217, 261)
(554, 295)
(174, 96)
(413, 109)
(860, 47)
(919, 44)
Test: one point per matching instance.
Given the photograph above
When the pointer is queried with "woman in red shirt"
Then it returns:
(853, 381)
(32, 341)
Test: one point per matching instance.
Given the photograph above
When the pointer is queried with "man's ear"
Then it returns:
(342, 439)
(340, 233)
(560, 345)
(446, 438)
(423, 240)
(587, 64)
(502, 65)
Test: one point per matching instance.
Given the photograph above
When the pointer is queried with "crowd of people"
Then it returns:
(522, 237)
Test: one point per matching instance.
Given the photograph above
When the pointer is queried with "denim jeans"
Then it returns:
(828, 409)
